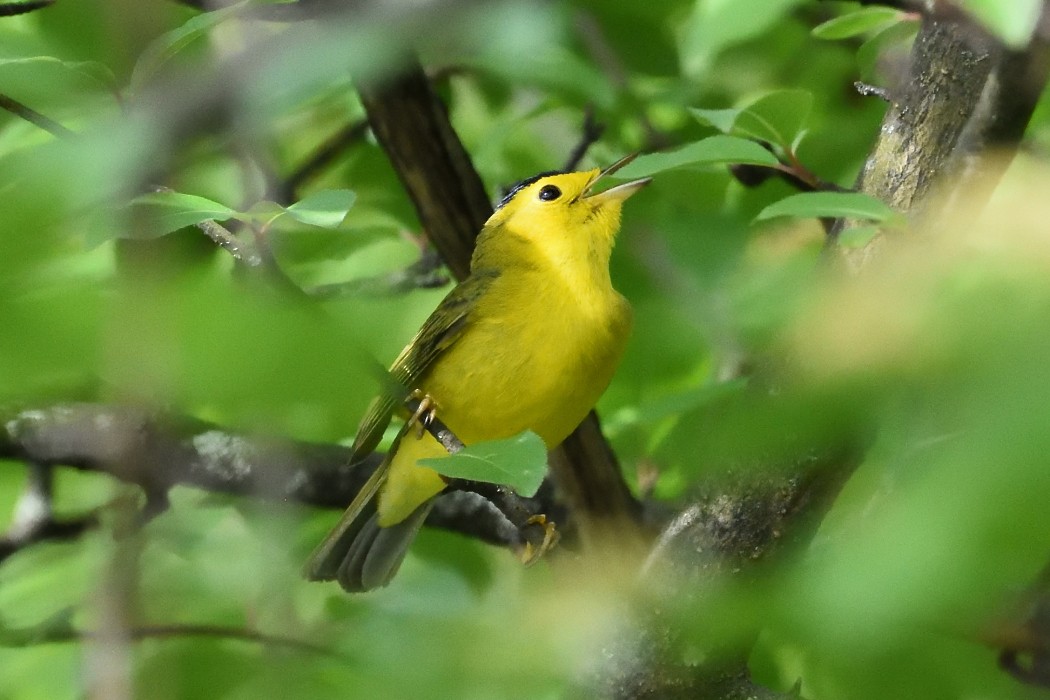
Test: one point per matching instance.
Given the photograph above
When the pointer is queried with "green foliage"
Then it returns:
(864, 20)
(883, 41)
(519, 462)
(776, 117)
(170, 211)
(933, 361)
(714, 150)
(1012, 22)
(165, 212)
(849, 205)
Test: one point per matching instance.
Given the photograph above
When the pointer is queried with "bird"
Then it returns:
(528, 341)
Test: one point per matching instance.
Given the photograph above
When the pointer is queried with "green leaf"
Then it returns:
(326, 208)
(849, 205)
(170, 211)
(519, 462)
(42, 81)
(715, 26)
(714, 150)
(168, 45)
(857, 236)
(777, 117)
(262, 212)
(864, 20)
(1013, 21)
(721, 119)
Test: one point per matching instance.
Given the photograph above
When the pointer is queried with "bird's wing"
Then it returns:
(444, 327)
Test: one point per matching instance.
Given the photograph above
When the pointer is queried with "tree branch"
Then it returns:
(33, 117)
(325, 155)
(956, 124)
(159, 451)
(412, 125)
(59, 629)
(946, 110)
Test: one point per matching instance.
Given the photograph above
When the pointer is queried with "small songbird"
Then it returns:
(529, 341)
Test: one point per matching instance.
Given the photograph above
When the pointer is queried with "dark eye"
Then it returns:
(548, 193)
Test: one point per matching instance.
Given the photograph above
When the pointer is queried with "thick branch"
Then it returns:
(950, 66)
(956, 124)
(413, 127)
(158, 452)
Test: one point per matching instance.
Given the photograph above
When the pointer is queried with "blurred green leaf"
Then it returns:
(47, 579)
(164, 212)
(714, 26)
(519, 462)
(1013, 22)
(777, 117)
(45, 672)
(714, 150)
(857, 236)
(860, 21)
(51, 73)
(156, 56)
(721, 119)
(326, 208)
(894, 35)
(848, 205)
(464, 556)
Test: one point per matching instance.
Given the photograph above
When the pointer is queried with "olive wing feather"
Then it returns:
(443, 328)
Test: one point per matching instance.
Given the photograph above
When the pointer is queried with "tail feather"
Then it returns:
(358, 553)
(327, 557)
(376, 553)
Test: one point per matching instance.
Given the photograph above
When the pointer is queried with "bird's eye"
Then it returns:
(548, 193)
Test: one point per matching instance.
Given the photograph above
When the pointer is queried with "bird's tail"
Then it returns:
(375, 553)
(358, 553)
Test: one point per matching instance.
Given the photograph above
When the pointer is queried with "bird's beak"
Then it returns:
(622, 191)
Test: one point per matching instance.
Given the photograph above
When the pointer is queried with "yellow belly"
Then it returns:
(511, 372)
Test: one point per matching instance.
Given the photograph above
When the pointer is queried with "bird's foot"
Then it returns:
(530, 553)
(424, 413)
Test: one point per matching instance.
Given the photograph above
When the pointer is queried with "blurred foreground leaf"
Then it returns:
(851, 24)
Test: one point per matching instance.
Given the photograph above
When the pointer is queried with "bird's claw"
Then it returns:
(423, 414)
(531, 554)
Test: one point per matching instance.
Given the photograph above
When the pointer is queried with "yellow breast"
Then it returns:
(538, 366)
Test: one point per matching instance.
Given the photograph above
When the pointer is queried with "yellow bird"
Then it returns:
(529, 341)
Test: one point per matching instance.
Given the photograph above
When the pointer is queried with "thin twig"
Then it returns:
(59, 630)
(10, 9)
(224, 632)
(592, 132)
(869, 90)
(425, 273)
(34, 117)
(322, 158)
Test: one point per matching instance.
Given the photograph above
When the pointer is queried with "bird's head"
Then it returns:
(560, 214)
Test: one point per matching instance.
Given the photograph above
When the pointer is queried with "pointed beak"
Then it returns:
(622, 191)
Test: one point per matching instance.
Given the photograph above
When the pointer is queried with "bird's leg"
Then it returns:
(423, 414)
(530, 554)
